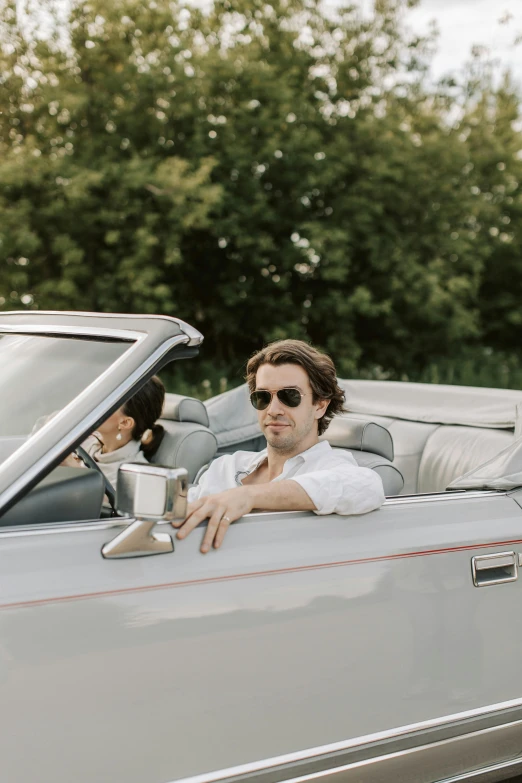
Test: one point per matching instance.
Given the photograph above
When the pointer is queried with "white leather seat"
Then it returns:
(432, 456)
(451, 451)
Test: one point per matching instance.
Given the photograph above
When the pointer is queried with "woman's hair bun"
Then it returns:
(145, 407)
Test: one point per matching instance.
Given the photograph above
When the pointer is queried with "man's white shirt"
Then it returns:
(330, 477)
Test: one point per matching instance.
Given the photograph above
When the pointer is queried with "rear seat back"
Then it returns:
(440, 432)
(431, 456)
(453, 450)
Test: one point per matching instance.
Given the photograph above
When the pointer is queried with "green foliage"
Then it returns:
(478, 367)
(260, 170)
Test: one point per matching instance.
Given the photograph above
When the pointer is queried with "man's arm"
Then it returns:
(225, 507)
(286, 495)
(344, 489)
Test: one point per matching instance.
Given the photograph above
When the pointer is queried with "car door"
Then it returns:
(304, 646)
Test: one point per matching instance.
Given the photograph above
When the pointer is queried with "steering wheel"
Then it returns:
(89, 462)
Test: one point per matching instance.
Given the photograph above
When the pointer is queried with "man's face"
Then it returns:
(285, 428)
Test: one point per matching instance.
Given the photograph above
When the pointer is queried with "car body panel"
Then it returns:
(419, 752)
(302, 631)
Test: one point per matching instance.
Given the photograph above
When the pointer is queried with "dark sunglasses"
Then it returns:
(261, 399)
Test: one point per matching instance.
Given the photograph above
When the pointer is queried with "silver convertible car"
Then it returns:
(364, 649)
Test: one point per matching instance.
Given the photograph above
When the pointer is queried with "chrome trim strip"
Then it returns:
(444, 496)
(82, 331)
(486, 773)
(88, 422)
(407, 499)
(323, 750)
(360, 765)
(82, 526)
(195, 337)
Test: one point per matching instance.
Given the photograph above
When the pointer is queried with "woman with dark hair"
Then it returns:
(131, 434)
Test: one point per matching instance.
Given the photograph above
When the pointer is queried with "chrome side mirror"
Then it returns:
(150, 495)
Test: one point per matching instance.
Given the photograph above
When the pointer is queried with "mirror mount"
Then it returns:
(138, 540)
(149, 495)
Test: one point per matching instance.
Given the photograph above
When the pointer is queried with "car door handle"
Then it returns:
(494, 569)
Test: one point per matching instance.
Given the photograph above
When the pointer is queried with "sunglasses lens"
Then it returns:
(289, 397)
(260, 400)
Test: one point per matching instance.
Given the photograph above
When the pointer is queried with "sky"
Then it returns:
(464, 23)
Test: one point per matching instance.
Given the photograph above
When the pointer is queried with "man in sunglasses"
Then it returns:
(294, 389)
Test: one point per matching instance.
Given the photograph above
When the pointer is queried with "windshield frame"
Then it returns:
(152, 342)
(93, 332)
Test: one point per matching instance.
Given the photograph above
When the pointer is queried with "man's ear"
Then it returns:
(322, 406)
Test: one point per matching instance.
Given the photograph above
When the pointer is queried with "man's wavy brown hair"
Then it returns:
(318, 365)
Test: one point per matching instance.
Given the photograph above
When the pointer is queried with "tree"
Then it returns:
(260, 170)
(492, 125)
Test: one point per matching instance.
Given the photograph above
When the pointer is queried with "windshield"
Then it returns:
(41, 375)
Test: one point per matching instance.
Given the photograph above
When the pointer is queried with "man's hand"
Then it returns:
(221, 510)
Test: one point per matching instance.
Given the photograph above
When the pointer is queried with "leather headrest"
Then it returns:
(186, 445)
(180, 408)
(352, 432)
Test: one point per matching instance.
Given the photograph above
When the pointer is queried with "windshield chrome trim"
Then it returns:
(89, 421)
(312, 754)
(195, 336)
(125, 335)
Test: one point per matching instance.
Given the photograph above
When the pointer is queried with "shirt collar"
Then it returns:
(316, 449)
(304, 456)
